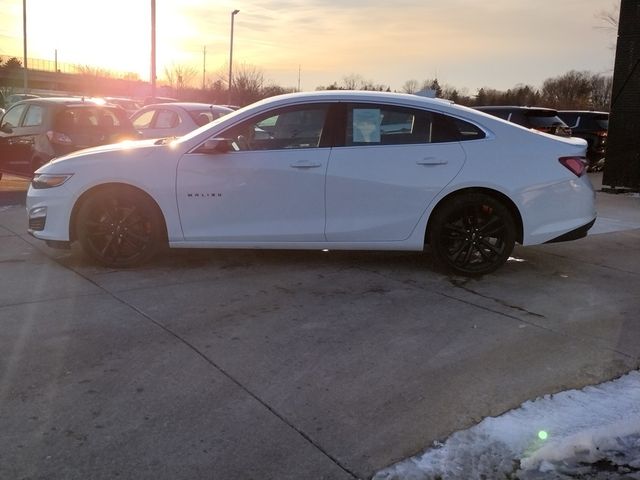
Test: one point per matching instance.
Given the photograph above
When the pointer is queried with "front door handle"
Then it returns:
(432, 161)
(306, 164)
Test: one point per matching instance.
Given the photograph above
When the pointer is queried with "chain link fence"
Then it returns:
(63, 67)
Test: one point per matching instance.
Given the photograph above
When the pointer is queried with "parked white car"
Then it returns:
(174, 119)
(323, 170)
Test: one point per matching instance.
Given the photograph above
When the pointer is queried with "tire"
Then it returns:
(120, 227)
(472, 234)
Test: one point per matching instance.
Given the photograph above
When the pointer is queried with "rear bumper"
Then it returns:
(579, 232)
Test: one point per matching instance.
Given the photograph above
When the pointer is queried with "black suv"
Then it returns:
(593, 127)
(542, 119)
(32, 132)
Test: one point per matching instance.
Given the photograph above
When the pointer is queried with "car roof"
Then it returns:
(186, 105)
(487, 108)
(67, 101)
(354, 96)
(596, 112)
(359, 94)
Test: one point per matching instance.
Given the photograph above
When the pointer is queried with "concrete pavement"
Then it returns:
(303, 365)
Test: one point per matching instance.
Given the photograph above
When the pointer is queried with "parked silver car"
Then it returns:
(174, 119)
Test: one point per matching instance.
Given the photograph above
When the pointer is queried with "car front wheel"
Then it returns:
(472, 234)
(119, 227)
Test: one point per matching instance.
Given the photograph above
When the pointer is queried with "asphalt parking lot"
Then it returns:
(292, 365)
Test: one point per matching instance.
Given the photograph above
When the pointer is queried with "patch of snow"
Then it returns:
(590, 433)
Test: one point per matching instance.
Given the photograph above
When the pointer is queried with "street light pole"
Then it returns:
(233, 14)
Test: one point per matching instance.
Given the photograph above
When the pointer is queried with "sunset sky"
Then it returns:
(465, 43)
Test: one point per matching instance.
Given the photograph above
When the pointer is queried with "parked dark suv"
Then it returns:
(543, 119)
(593, 127)
(32, 132)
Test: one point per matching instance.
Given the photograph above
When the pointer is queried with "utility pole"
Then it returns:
(24, 35)
(153, 48)
(204, 65)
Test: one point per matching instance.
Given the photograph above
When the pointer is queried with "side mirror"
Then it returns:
(6, 128)
(214, 146)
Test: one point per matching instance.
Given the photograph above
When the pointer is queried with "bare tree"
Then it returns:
(353, 81)
(248, 82)
(571, 90)
(601, 87)
(410, 86)
(91, 71)
(457, 95)
(434, 85)
(180, 76)
(273, 90)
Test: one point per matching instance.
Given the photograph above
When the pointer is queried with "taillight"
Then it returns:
(577, 165)
(58, 137)
(602, 133)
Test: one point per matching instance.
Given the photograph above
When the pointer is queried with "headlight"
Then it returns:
(49, 180)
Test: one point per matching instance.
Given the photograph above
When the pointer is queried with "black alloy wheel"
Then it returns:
(472, 234)
(119, 227)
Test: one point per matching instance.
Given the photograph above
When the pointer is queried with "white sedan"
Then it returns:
(323, 170)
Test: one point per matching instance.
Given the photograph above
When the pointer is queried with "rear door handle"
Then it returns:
(432, 161)
(305, 164)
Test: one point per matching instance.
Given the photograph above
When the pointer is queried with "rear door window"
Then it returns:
(393, 125)
(33, 118)
(166, 119)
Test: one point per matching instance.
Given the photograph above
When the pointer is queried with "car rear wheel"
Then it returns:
(472, 234)
(120, 227)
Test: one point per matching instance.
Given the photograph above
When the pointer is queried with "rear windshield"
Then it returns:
(595, 122)
(543, 119)
(603, 123)
(82, 118)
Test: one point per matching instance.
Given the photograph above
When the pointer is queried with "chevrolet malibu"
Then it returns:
(323, 170)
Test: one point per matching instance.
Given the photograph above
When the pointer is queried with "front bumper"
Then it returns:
(48, 213)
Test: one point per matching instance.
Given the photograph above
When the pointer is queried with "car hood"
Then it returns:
(124, 152)
(125, 146)
(110, 158)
